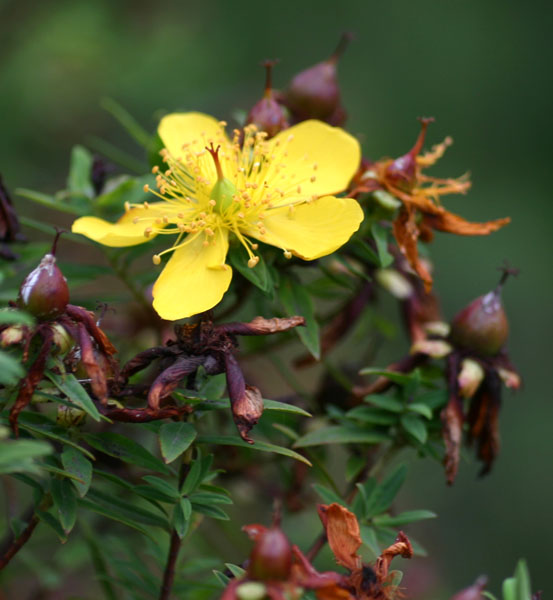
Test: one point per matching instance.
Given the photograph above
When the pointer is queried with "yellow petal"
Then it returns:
(195, 278)
(197, 131)
(319, 158)
(312, 230)
(125, 232)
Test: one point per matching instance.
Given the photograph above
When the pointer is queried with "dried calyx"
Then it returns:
(315, 94)
(482, 326)
(267, 114)
(44, 292)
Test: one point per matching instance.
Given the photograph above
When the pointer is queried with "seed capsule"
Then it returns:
(315, 94)
(482, 326)
(44, 292)
(271, 557)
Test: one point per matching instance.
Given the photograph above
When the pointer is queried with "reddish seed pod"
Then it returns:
(482, 326)
(271, 557)
(267, 114)
(315, 94)
(44, 292)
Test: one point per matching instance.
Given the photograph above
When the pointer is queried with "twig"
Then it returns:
(176, 542)
(18, 543)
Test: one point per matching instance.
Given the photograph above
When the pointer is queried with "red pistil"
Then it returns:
(215, 155)
(269, 64)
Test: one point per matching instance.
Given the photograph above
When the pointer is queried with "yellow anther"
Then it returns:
(168, 172)
(287, 254)
(147, 231)
(313, 178)
(241, 215)
(127, 206)
(182, 227)
(146, 205)
(162, 190)
(255, 246)
(205, 243)
(180, 215)
(253, 261)
(212, 202)
(298, 189)
(155, 169)
(315, 167)
(156, 259)
(165, 219)
(146, 188)
(135, 220)
(209, 231)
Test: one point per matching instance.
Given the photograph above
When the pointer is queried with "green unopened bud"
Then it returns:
(251, 590)
(69, 417)
(44, 292)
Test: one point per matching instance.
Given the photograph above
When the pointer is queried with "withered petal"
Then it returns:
(343, 534)
(262, 326)
(94, 370)
(168, 380)
(401, 547)
(452, 223)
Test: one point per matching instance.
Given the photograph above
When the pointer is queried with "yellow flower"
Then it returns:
(278, 191)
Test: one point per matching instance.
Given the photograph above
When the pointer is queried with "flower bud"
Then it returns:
(11, 335)
(251, 590)
(271, 557)
(314, 93)
(44, 293)
(267, 114)
(474, 592)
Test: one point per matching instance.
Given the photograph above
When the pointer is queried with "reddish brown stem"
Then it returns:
(169, 574)
(19, 542)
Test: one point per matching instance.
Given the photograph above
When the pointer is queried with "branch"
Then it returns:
(18, 543)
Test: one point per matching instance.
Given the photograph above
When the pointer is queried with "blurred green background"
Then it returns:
(483, 69)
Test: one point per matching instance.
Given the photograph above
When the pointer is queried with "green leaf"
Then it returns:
(340, 434)
(284, 407)
(235, 570)
(174, 439)
(415, 427)
(125, 509)
(209, 498)
(127, 121)
(180, 522)
(404, 518)
(385, 493)
(80, 169)
(421, 409)
(128, 189)
(41, 425)
(65, 502)
(368, 536)
(211, 511)
(259, 275)
(388, 403)
(296, 300)
(11, 370)
(53, 523)
(75, 463)
(327, 495)
(193, 478)
(126, 450)
(186, 507)
(231, 440)
(11, 316)
(114, 514)
(68, 385)
(162, 486)
(221, 578)
(372, 414)
(354, 466)
(17, 455)
(48, 201)
(380, 235)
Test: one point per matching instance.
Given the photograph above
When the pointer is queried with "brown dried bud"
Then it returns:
(482, 326)
(402, 172)
(314, 93)
(271, 557)
(267, 114)
(44, 292)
